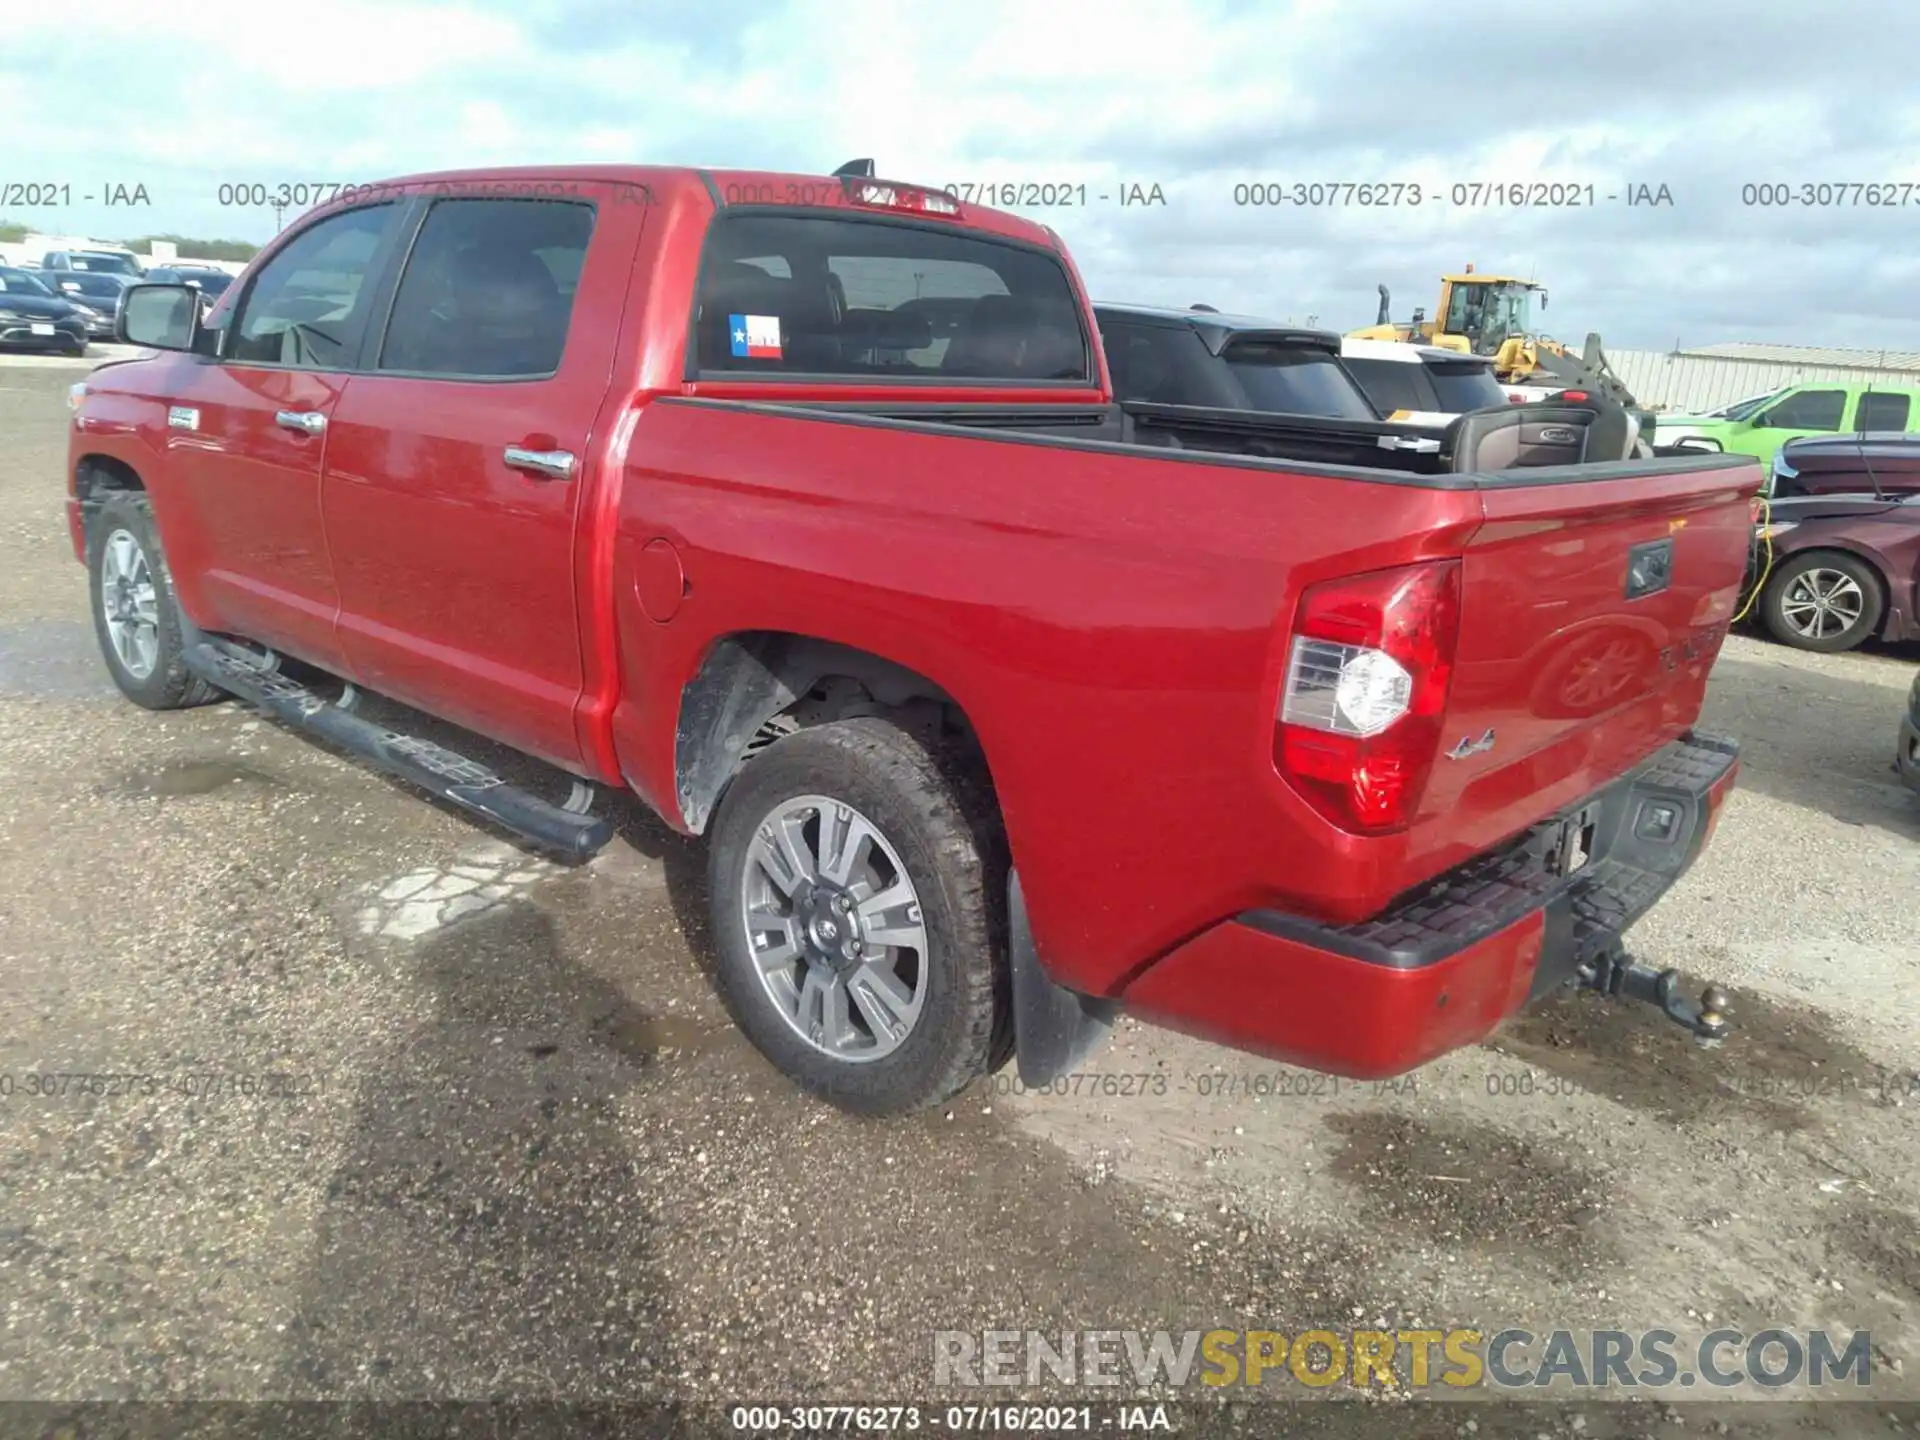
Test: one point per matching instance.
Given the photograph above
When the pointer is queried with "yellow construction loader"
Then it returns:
(1493, 315)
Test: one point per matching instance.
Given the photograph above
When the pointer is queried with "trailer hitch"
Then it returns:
(1614, 972)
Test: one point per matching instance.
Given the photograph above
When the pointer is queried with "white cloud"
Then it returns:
(1194, 95)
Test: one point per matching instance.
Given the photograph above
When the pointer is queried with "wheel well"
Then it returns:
(753, 688)
(98, 476)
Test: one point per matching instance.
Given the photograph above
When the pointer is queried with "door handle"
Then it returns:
(554, 464)
(309, 422)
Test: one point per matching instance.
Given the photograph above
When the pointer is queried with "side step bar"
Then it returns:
(565, 831)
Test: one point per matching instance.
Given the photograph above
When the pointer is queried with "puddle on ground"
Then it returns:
(196, 777)
(640, 1036)
(51, 660)
(1470, 1184)
(1779, 1061)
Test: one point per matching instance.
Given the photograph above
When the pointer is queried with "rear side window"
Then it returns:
(1158, 364)
(308, 307)
(488, 289)
(1464, 387)
(1392, 385)
(1881, 411)
(1296, 380)
(803, 295)
(1808, 410)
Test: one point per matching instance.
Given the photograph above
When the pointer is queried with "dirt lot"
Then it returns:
(516, 1150)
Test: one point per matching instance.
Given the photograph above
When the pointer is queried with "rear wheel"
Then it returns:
(1824, 600)
(858, 917)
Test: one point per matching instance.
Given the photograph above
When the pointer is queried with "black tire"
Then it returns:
(1773, 604)
(169, 685)
(943, 826)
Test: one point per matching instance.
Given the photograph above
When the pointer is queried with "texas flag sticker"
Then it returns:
(756, 337)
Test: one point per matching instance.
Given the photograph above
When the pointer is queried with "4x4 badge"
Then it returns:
(1470, 746)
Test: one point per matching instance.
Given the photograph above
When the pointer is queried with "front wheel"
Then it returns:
(858, 916)
(135, 618)
(1824, 601)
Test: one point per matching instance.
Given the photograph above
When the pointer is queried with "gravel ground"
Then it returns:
(501, 1141)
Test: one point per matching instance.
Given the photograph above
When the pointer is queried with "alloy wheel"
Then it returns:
(835, 928)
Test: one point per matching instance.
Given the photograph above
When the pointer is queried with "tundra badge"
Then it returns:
(1470, 746)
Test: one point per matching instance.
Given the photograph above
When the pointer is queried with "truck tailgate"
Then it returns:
(1591, 613)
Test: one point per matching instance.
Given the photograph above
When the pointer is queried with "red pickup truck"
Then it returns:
(801, 508)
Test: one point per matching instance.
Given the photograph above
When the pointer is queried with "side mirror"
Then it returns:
(159, 317)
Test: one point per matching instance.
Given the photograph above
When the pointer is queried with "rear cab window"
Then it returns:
(793, 295)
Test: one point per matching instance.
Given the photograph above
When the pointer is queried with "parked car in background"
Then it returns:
(1203, 358)
(96, 293)
(211, 282)
(1818, 408)
(32, 317)
(1845, 568)
(1200, 379)
(114, 261)
(1422, 384)
(1876, 462)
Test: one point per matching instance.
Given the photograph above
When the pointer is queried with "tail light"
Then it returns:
(1366, 688)
(891, 195)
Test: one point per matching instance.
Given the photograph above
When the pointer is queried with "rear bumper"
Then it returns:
(1444, 965)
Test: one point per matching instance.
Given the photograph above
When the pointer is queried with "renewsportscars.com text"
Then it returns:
(1718, 1361)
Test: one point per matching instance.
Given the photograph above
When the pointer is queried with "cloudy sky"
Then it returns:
(1197, 97)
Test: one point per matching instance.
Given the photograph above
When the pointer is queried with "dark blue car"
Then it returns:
(32, 317)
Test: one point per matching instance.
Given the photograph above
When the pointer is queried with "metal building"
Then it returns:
(1707, 376)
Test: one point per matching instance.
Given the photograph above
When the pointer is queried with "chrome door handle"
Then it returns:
(1403, 442)
(555, 464)
(310, 422)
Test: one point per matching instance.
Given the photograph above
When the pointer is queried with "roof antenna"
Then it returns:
(1210, 309)
(861, 168)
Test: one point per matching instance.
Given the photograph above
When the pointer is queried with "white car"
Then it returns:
(1422, 384)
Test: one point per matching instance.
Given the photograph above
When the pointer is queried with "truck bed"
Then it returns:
(1114, 616)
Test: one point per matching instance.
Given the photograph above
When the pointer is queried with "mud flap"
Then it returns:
(1054, 1028)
